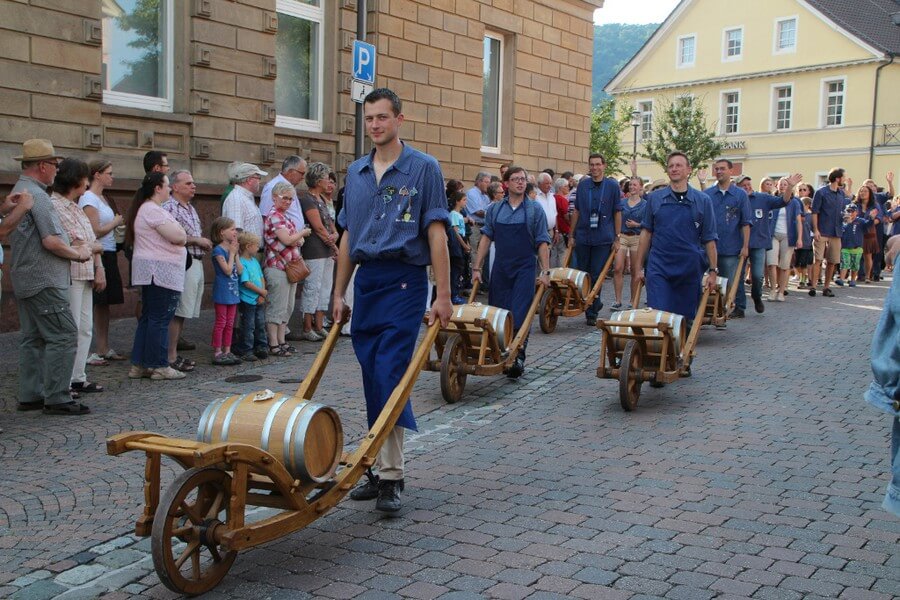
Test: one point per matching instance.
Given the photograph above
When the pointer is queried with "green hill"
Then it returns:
(614, 45)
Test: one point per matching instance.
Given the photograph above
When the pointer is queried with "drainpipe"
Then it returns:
(875, 111)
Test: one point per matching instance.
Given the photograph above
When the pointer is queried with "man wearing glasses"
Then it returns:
(240, 205)
(293, 170)
(41, 258)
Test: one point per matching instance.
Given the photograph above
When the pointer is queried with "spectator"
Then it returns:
(319, 252)
(282, 241)
(459, 249)
(786, 232)
(453, 186)
(158, 267)
(871, 211)
(13, 208)
(240, 205)
(547, 200)
(254, 343)
(496, 192)
(328, 197)
(851, 245)
(109, 228)
(803, 255)
(563, 218)
(191, 300)
(293, 170)
(827, 207)
(226, 295)
(477, 202)
(41, 257)
(633, 208)
(70, 183)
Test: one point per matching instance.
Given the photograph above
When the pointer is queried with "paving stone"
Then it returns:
(82, 593)
(81, 574)
(39, 590)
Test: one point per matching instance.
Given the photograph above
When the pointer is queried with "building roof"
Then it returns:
(869, 20)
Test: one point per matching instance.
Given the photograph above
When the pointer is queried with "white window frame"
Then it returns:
(820, 180)
(316, 14)
(739, 55)
(500, 74)
(166, 104)
(776, 35)
(723, 112)
(773, 106)
(823, 102)
(678, 51)
(639, 106)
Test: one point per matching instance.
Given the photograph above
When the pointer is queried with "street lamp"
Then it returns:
(636, 123)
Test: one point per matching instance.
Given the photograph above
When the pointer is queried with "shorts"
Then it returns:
(803, 257)
(629, 242)
(780, 254)
(192, 296)
(850, 258)
(828, 248)
(113, 293)
(282, 296)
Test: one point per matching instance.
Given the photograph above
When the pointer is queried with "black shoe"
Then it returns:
(828, 293)
(812, 290)
(389, 495)
(368, 490)
(183, 345)
(69, 408)
(261, 354)
(591, 321)
(249, 357)
(759, 305)
(737, 313)
(23, 406)
(516, 369)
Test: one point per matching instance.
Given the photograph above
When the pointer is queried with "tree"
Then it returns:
(607, 125)
(681, 125)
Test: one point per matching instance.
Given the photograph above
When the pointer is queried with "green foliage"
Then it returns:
(614, 45)
(608, 122)
(681, 125)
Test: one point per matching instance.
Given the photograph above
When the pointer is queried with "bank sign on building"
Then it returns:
(789, 85)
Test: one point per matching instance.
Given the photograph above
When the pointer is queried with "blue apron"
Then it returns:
(388, 305)
(675, 265)
(512, 275)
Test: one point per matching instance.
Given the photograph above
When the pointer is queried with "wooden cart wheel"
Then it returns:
(548, 312)
(185, 554)
(630, 375)
(453, 378)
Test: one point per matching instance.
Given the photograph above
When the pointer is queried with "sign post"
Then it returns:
(363, 74)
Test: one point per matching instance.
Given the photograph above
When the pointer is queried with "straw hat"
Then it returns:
(36, 150)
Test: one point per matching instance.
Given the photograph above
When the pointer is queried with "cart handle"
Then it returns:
(732, 290)
(598, 285)
(314, 376)
(525, 329)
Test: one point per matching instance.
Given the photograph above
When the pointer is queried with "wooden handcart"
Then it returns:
(477, 341)
(647, 345)
(570, 292)
(254, 450)
(721, 300)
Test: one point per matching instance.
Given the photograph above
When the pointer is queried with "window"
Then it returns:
(687, 48)
(834, 103)
(646, 110)
(491, 92)
(784, 100)
(786, 35)
(734, 44)
(137, 62)
(730, 112)
(298, 54)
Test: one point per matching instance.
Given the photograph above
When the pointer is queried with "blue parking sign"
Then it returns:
(363, 61)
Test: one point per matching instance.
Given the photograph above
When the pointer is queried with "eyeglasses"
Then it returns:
(517, 179)
(54, 163)
(285, 198)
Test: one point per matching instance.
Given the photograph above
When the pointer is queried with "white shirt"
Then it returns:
(240, 207)
(548, 203)
(293, 212)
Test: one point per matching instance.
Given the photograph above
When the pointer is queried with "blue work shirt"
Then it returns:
(794, 209)
(632, 213)
(732, 208)
(528, 212)
(807, 230)
(476, 201)
(761, 205)
(852, 233)
(389, 220)
(829, 205)
(601, 197)
(704, 215)
(866, 214)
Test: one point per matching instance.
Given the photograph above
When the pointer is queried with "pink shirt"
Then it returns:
(156, 260)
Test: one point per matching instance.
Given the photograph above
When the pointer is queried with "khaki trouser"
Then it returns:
(47, 347)
(390, 458)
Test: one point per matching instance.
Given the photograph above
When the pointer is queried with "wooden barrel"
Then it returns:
(676, 323)
(581, 279)
(305, 436)
(499, 318)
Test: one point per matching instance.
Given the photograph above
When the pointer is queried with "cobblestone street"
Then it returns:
(759, 477)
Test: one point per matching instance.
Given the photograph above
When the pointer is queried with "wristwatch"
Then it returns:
(713, 270)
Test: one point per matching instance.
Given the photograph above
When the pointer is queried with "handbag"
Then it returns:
(295, 270)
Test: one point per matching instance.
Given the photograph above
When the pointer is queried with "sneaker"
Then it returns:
(138, 372)
(311, 336)
(737, 313)
(249, 357)
(629, 306)
(515, 371)
(95, 360)
(758, 305)
(184, 344)
(261, 354)
(591, 321)
(457, 300)
(851, 283)
(221, 360)
(234, 359)
(839, 281)
(773, 296)
(812, 290)
(164, 373)
(779, 297)
(615, 306)
(368, 490)
(828, 293)
(389, 495)
(322, 333)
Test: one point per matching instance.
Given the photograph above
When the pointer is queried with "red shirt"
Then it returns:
(562, 212)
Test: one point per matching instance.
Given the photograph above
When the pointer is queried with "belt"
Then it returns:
(628, 233)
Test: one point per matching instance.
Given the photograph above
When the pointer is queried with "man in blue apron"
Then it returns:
(679, 225)
(395, 219)
(518, 228)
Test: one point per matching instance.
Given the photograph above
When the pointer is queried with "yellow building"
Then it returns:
(788, 85)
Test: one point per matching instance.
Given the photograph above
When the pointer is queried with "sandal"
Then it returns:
(288, 348)
(87, 387)
(181, 364)
(113, 355)
(95, 360)
(278, 351)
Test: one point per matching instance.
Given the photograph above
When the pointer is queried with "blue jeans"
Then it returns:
(151, 340)
(253, 331)
(591, 259)
(757, 271)
(727, 266)
(892, 497)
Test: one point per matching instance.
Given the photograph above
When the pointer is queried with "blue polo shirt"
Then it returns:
(601, 197)
(389, 220)
(829, 205)
(704, 215)
(807, 230)
(852, 233)
(760, 205)
(476, 201)
(732, 208)
(632, 213)
(528, 212)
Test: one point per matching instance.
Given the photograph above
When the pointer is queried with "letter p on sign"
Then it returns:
(363, 62)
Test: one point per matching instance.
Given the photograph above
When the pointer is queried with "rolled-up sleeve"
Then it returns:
(434, 198)
(538, 226)
(488, 228)
(649, 213)
(708, 232)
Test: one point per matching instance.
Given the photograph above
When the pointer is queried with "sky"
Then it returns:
(634, 11)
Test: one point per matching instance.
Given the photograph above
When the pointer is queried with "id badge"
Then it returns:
(595, 220)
